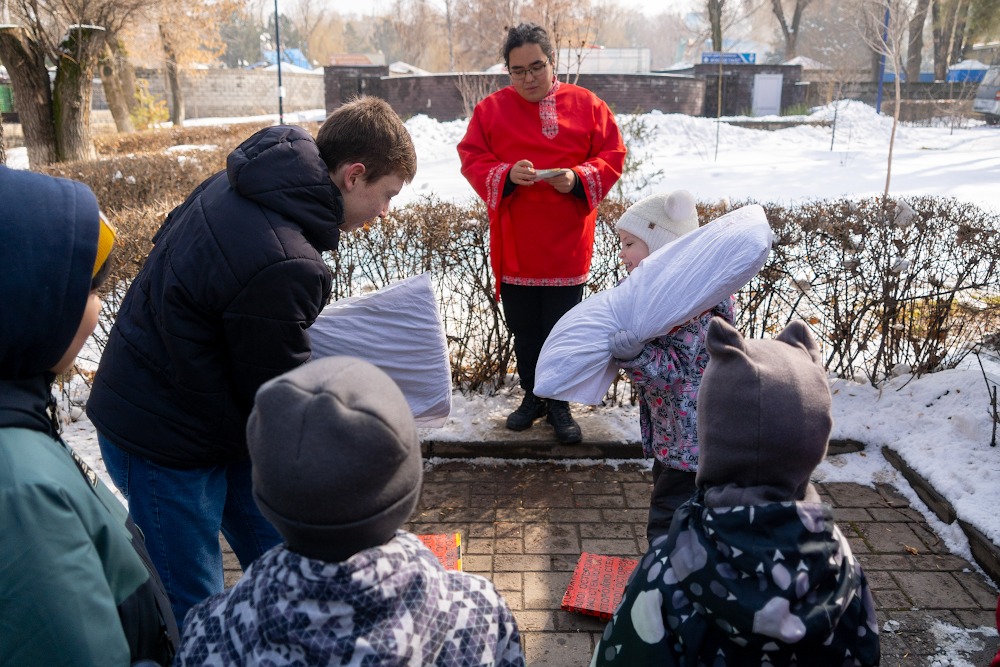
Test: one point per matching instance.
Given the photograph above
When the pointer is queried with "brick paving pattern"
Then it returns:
(524, 525)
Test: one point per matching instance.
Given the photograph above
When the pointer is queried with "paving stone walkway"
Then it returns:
(524, 525)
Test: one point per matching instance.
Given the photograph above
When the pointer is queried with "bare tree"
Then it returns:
(450, 31)
(790, 31)
(309, 17)
(884, 25)
(723, 15)
(948, 27)
(715, 8)
(71, 34)
(916, 41)
(480, 30)
(116, 74)
(189, 33)
(402, 34)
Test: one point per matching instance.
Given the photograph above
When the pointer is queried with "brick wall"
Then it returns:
(450, 96)
(737, 87)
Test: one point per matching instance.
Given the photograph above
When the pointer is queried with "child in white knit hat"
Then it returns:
(665, 371)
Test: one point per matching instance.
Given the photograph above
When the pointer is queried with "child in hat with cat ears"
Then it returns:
(337, 470)
(667, 370)
(754, 570)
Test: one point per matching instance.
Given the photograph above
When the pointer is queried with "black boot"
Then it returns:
(531, 408)
(567, 430)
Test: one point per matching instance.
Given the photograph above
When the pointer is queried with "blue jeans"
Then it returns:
(181, 512)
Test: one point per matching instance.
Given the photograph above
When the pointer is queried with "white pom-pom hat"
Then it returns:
(660, 219)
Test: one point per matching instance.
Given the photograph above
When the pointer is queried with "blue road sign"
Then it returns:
(726, 58)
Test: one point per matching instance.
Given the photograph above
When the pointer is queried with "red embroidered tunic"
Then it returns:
(539, 236)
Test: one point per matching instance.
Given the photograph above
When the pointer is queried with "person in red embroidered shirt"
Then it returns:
(542, 154)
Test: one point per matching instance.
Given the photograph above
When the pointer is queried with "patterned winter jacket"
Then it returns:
(667, 374)
(390, 605)
(772, 584)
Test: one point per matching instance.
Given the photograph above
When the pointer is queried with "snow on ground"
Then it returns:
(940, 423)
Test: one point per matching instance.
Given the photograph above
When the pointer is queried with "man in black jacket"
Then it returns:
(221, 306)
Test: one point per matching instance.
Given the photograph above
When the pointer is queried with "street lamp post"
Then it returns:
(277, 51)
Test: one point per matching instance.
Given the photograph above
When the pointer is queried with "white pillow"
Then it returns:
(674, 284)
(397, 328)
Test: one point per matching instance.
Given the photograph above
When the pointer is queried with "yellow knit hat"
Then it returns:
(106, 236)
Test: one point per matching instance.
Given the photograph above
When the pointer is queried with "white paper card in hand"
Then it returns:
(398, 328)
(674, 284)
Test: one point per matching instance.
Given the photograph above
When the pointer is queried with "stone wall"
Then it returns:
(447, 97)
(233, 92)
(824, 92)
(450, 96)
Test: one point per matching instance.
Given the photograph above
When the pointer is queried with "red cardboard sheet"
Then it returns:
(447, 548)
(597, 584)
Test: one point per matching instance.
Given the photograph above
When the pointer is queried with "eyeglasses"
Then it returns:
(535, 68)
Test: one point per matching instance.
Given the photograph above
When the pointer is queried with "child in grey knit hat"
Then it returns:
(337, 469)
(666, 371)
(754, 570)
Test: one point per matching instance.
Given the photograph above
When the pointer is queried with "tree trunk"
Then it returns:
(958, 31)
(779, 13)
(715, 20)
(114, 91)
(30, 83)
(942, 13)
(126, 74)
(173, 81)
(792, 44)
(3, 149)
(914, 57)
(73, 92)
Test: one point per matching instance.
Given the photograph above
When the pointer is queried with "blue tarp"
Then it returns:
(925, 77)
(973, 75)
(967, 70)
(293, 56)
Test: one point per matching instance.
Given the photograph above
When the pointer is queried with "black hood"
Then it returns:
(48, 245)
(281, 168)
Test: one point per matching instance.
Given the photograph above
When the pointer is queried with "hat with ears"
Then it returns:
(336, 458)
(660, 219)
(764, 417)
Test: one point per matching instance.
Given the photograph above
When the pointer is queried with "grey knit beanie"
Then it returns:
(336, 457)
(763, 416)
(660, 219)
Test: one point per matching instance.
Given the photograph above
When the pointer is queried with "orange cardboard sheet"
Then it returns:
(597, 584)
(447, 548)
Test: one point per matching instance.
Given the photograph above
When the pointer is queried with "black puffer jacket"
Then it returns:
(222, 304)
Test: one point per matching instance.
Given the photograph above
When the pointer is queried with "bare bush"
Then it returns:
(884, 284)
(227, 137)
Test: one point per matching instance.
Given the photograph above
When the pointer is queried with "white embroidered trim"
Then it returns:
(591, 183)
(494, 185)
(545, 282)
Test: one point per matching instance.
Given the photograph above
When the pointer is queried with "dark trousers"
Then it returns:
(671, 489)
(531, 312)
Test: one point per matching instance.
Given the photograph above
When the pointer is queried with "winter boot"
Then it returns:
(531, 408)
(567, 430)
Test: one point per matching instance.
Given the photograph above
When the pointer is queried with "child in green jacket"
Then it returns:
(75, 584)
